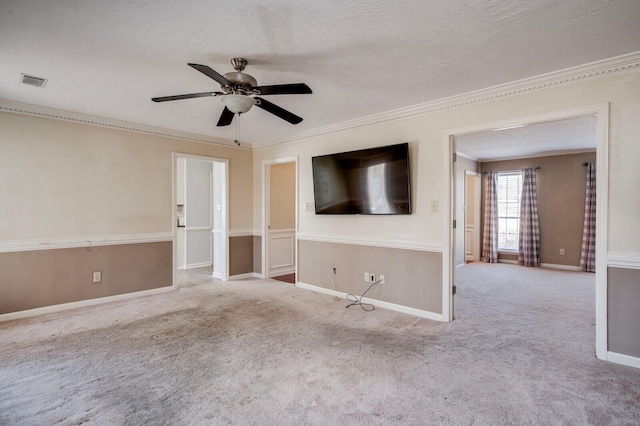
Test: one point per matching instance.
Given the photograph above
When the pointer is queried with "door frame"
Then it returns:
(266, 203)
(476, 198)
(224, 209)
(602, 196)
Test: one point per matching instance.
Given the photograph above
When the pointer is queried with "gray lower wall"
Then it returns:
(35, 279)
(414, 278)
(257, 254)
(240, 255)
(623, 311)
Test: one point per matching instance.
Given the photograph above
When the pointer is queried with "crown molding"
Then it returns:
(93, 120)
(553, 79)
(544, 81)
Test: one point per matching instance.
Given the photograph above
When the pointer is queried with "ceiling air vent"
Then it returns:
(32, 80)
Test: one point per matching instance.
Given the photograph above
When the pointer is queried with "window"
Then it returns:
(509, 190)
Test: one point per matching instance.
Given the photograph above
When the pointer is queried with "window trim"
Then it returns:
(514, 172)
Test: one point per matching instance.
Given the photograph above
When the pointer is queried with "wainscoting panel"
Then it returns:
(40, 278)
(282, 252)
(468, 243)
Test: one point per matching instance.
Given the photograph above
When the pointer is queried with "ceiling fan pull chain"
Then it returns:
(237, 141)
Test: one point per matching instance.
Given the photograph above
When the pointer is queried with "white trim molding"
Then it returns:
(245, 276)
(245, 232)
(377, 303)
(360, 240)
(81, 304)
(629, 361)
(553, 79)
(619, 64)
(624, 259)
(74, 242)
(544, 81)
(93, 120)
(561, 267)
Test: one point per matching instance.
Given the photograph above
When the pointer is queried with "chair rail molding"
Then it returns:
(89, 241)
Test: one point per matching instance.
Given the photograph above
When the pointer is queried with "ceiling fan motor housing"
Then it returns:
(241, 81)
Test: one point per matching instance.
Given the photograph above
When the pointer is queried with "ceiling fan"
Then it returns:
(240, 92)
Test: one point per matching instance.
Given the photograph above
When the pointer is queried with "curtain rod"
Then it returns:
(535, 168)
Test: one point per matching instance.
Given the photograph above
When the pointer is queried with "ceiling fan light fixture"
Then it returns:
(238, 104)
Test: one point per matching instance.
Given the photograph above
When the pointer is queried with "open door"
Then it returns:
(280, 218)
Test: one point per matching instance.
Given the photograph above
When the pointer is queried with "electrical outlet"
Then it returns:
(334, 270)
(97, 277)
(366, 277)
(382, 280)
(561, 252)
(373, 278)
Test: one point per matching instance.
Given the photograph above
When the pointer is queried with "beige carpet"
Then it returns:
(264, 352)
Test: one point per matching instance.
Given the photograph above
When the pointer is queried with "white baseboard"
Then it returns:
(630, 361)
(563, 267)
(244, 276)
(197, 265)
(377, 303)
(80, 304)
(544, 265)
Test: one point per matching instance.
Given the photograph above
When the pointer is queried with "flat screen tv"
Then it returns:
(369, 181)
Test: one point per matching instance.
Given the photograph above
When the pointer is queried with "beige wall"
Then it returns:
(60, 179)
(425, 136)
(282, 212)
(64, 179)
(561, 193)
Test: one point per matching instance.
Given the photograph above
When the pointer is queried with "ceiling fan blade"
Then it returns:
(284, 89)
(278, 111)
(226, 117)
(187, 96)
(211, 74)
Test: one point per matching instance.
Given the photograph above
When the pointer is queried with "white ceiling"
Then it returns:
(549, 138)
(108, 58)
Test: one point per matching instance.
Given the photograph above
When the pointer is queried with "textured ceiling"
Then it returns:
(553, 137)
(108, 58)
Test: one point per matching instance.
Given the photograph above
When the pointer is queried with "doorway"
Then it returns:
(601, 113)
(200, 209)
(472, 197)
(280, 219)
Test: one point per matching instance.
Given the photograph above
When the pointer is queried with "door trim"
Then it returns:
(224, 210)
(602, 177)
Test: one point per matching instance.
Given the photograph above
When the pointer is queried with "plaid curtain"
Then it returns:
(490, 233)
(529, 237)
(588, 252)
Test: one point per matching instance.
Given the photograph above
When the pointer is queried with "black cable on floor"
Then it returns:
(358, 301)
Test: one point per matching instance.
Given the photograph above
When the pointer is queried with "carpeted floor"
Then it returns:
(264, 352)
